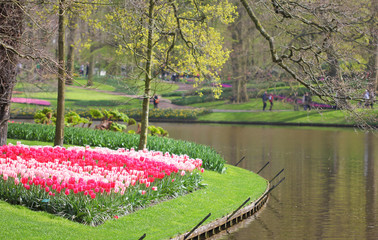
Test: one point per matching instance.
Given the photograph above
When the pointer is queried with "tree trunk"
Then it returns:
(235, 60)
(90, 67)
(11, 28)
(146, 99)
(59, 130)
(373, 48)
(71, 48)
(244, 90)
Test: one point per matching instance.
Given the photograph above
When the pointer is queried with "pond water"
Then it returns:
(330, 189)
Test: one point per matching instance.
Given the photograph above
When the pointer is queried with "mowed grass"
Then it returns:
(313, 116)
(222, 195)
(252, 104)
(97, 96)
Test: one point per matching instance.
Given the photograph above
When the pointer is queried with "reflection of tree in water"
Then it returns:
(371, 205)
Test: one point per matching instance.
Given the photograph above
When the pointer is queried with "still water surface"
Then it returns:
(330, 189)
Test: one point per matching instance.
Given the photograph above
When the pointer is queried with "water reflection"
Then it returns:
(330, 190)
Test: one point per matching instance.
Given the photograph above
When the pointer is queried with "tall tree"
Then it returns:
(170, 34)
(59, 129)
(11, 29)
(72, 27)
(373, 45)
(241, 56)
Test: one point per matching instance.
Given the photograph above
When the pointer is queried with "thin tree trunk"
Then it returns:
(71, 48)
(11, 28)
(90, 68)
(376, 67)
(235, 60)
(244, 90)
(373, 30)
(146, 99)
(59, 130)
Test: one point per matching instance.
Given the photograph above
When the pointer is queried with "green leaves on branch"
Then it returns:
(184, 36)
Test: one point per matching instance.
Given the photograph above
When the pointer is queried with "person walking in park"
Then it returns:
(156, 101)
(270, 98)
(367, 98)
(372, 98)
(307, 101)
(264, 98)
(81, 70)
(86, 70)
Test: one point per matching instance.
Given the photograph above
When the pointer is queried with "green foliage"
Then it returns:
(114, 126)
(155, 113)
(131, 121)
(44, 116)
(114, 140)
(96, 114)
(157, 131)
(204, 56)
(158, 113)
(73, 119)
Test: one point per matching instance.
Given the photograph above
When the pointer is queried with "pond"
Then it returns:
(330, 189)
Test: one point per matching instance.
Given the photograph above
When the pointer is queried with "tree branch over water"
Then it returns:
(308, 41)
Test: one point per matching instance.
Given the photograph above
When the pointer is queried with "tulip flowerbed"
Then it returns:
(93, 185)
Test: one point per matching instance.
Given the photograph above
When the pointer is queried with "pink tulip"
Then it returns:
(154, 188)
(92, 170)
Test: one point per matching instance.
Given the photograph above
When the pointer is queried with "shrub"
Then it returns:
(158, 113)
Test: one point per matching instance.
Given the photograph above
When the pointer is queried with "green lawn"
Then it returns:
(253, 104)
(77, 97)
(223, 194)
(314, 116)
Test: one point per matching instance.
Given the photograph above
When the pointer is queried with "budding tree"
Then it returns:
(170, 34)
(313, 42)
(11, 30)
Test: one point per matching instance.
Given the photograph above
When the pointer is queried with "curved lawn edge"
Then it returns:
(223, 194)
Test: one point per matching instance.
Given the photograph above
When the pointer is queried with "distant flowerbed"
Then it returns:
(31, 101)
(299, 101)
(92, 185)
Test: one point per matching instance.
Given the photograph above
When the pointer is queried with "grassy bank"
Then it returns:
(223, 194)
(336, 117)
(291, 117)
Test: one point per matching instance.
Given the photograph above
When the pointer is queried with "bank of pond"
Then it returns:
(223, 188)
